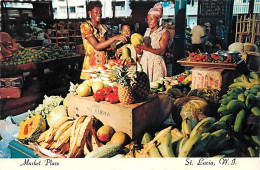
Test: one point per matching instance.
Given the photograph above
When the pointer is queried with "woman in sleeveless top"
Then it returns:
(155, 43)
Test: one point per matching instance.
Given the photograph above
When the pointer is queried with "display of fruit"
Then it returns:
(109, 94)
(136, 39)
(215, 58)
(29, 55)
(31, 129)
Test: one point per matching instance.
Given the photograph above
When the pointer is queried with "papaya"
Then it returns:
(136, 39)
(126, 53)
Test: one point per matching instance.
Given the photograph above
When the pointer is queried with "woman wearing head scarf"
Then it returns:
(155, 43)
(93, 36)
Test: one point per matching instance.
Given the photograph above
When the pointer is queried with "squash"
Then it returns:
(189, 105)
(31, 129)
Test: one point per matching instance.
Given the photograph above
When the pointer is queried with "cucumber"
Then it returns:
(106, 151)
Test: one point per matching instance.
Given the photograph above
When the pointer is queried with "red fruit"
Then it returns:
(107, 90)
(112, 98)
(100, 92)
(98, 97)
(115, 89)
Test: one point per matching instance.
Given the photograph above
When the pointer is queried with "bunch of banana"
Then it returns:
(207, 138)
(159, 146)
(246, 82)
(76, 138)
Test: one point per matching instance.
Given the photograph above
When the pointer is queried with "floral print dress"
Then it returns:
(153, 65)
(92, 57)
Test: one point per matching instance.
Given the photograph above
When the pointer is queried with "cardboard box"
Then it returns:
(206, 78)
(11, 82)
(134, 119)
(6, 93)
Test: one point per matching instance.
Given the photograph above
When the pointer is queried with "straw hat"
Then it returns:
(207, 24)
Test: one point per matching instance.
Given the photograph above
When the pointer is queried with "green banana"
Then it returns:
(225, 101)
(189, 145)
(146, 138)
(165, 147)
(253, 75)
(258, 94)
(255, 86)
(203, 126)
(256, 139)
(222, 108)
(226, 117)
(204, 140)
(154, 152)
(220, 144)
(254, 90)
(245, 81)
(194, 122)
(217, 136)
(235, 105)
(238, 79)
(228, 151)
(250, 100)
(241, 97)
(186, 126)
(255, 110)
(236, 85)
(218, 125)
(180, 145)
(251, 151)
(239, 120)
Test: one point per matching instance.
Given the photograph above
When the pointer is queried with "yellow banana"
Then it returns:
(176, 134)
(186, 127)
(62, 129)
(165, 146)
(42, 136)
(180, 145)
(189, 145)
(159, 136)
(203, 126)
(245, 81)
(64, 138)
(75, 125)
(153, 152)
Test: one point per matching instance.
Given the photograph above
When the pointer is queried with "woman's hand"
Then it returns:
(141, 47)
(121, 38)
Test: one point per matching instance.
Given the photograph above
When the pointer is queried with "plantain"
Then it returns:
(250, 100)
(203, 126)
(73, 147)
(256, 111)
(75, 125)
(251, 151)
(241, 97)
(217, 136)
(239, 120)
(159, 136)
(186, 126)
(154, 152)
(189, 145)
(245, 81)
(42, 136)
(180, 145)
(253, 75)
(226, 117)
(62, 129)
(64, 138)
(176, 134)
(256, 139)
(165, 147)
(218, 125)
(204, 140)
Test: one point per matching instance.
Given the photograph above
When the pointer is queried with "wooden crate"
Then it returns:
(132, 119)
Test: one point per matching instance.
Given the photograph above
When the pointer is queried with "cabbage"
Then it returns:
(57, 113)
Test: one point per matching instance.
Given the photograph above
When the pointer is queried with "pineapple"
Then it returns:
(125, 93)
(140, 83)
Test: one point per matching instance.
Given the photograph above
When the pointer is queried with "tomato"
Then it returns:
(115, 89)
(98, 97)
(100, 92)
(107, 89)
(112, 98)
